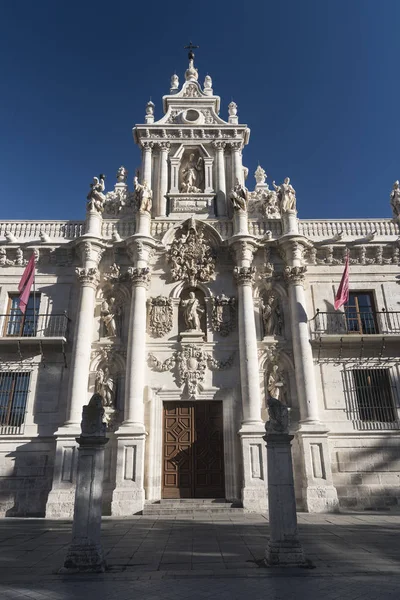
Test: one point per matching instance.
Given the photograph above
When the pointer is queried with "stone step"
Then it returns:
(188, 506)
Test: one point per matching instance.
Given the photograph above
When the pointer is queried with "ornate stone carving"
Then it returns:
(244, 275)
(105, 386)
(191, 363)
(174, 83)
(395, 199)
(108, 314)
(192, 312)
(191, 91)
(271, 315)
(278, 417)
(19, 260)
(139, 276)
(264, 202)
(92, 418)
(143, 196)
(295, 275)
(190, 256)
(159, 315)
(239, 196)
(4, 261)
(260, 175)
(96, 198)
(113, 274)
(223, 317)
(88, 276)
(122, 174)
(276, 383)
(286, 196)
(192, 175)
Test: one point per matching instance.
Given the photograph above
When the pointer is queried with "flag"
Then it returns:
(25, 285)
(342, 295)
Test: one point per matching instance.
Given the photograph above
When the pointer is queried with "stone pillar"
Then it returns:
(93, 224)
(161, 210)
(284, 548)
(221, 178)
(237, 162)
(319, 493)
(146, 162)
(128, 496)
(85, 552)
(252, 428)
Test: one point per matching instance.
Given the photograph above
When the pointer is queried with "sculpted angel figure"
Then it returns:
(192, 312)
(108, 316)
(96, 198)
(105, 386)
(395, 199)
(143, 195)
(191, 174)
(275, 383)
(239, 196)
(286, 195)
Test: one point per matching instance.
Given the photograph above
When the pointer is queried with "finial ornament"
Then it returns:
(121, 175)
(191, 73)
(232, 111)
(174, 83)
(208, 85)
(260, 175)
(150, 112)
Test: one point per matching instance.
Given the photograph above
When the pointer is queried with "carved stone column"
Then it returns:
(60, 502)
(128, 496)
(221, 178)
(161, 209)
(146, 162)
(319, 494)
(252, 429)
(237, 166)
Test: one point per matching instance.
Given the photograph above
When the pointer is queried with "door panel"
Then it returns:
(193, 450)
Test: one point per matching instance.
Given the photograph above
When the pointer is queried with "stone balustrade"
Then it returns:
(349, 227)
(32, 230)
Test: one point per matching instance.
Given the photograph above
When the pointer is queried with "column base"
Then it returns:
(61, 499)
(128, 497)
(288, 553)
(84, 556)
(254, 491)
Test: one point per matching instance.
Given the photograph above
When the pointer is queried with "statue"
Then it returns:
(191, 175)
(191, 312)
(286, 195)
(174, 82)
(143, 196)
(239, 196)
(207, 83)
(271, 315)
(260, 175)
(92, 417)
(122, 175)
(278, 417)
(275, 383)
(96, 198)
(395, 199)
(105, 386)
(108, 316)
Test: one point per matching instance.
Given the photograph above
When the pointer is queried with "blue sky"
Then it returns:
(316, 81)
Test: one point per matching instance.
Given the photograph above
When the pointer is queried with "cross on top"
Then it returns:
(191, 47)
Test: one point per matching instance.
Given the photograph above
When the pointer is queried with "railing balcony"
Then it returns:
(32, 326)
(355, 323)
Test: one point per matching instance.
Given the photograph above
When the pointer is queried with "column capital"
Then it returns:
(244, 251)
(295, 275)
(147, 145)
(88, 276)
(244, 275)
(236, 146)
(164, 146)
(90, 251)
(140, 277)
(218, 145)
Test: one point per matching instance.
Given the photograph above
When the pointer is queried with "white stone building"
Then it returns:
(188, 303)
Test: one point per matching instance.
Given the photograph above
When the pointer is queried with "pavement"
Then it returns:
(354, 556)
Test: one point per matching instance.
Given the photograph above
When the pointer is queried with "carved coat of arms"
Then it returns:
(224, 314)
(159, 315)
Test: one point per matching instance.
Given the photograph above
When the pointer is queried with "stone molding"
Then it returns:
(88, 276)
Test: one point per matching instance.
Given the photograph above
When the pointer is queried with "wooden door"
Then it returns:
(193, 450)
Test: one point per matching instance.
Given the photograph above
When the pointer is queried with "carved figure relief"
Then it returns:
(395, 199)
(224, 314)
(96, 198)
(271, 315)
(286, 195)
(239, 196)
(105, 386)
(192, 312)
(190, 363)
(276, 383)
(192, 174)
(159, 315)
(143, 196)
(190, 255)
(108, 313)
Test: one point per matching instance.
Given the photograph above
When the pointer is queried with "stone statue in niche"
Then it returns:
(143, 196)
(92, 417)
(108, 316)
(395, 199)
(192, 175)
(239, 196)
(192, 312)
(286, 196)
(271, 316)
(278, 417)
(105, 386)
(96, 198)
(275, 383)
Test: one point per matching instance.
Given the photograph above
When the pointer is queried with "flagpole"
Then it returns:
(34, 305)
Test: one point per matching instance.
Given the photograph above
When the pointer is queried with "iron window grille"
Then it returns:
(14, 389)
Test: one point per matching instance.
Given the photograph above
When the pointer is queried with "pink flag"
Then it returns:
(24, 286)
(342, 295)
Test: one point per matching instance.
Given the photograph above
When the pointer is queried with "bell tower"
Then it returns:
(191, 157)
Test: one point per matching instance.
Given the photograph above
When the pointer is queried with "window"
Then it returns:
(360, 313)
(371, 397)
(22, 325)
(14, 387)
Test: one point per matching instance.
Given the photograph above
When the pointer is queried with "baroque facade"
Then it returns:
(187, 303)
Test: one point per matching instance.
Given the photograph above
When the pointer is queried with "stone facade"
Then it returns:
(187, 289)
